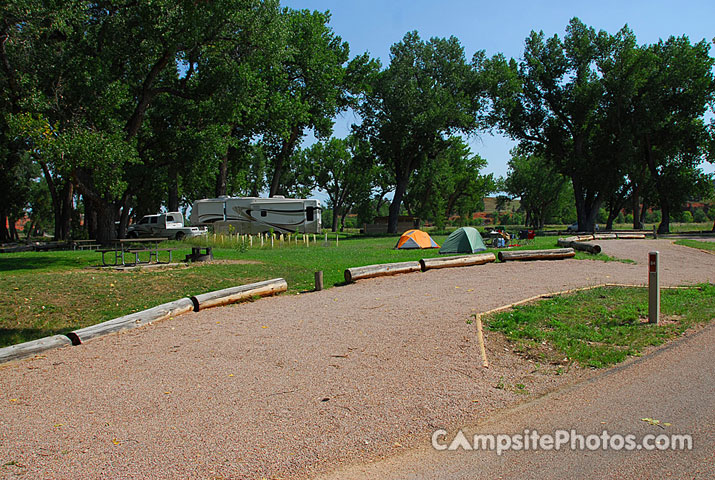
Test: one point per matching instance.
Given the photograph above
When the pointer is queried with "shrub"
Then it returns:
(700, 216)
(686, 217)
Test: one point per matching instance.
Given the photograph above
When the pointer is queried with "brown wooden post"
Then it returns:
(318, 280)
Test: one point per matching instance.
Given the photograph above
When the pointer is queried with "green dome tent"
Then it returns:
(463, 240)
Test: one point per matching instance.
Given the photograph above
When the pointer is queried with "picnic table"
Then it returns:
(135, 246)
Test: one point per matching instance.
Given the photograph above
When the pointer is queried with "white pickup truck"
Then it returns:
(169, 225)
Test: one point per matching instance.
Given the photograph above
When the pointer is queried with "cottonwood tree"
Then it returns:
(426, 95)
(450, 184)
(551, 101)
(668, 123)
(537, 183)
(106, 65)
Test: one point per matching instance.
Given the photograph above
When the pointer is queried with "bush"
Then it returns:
(602, 215)
(629, 218)
(653, 217)
(620, 218)
(700, 216)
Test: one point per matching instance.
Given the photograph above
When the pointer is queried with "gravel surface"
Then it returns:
(293, 385)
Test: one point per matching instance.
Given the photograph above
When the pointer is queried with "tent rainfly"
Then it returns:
(415, 239)
(463, 240)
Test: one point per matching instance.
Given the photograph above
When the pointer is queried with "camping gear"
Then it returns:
(463, 240)
(415, 239)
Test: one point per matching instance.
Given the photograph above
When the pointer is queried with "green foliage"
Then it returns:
(450, 184)
(542, 190)
(686, 217)
(427, 93)
(700, 216)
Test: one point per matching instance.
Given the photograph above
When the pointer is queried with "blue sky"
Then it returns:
(501, 27)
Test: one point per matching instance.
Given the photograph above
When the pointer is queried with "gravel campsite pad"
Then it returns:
(289, 386)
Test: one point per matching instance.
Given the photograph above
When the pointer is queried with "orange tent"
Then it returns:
(415, 239)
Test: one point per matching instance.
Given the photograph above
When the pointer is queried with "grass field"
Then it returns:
(707, 246)
(48, 293)
(603, 326)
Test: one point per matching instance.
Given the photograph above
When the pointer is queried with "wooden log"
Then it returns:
(457, 261)
(631, 236)
(555, 254)
(132, 320)
(318, 280)
(370, 271)
(605, 236)
(580, 246)
(480, 338)
(238, 294)
(34, 347)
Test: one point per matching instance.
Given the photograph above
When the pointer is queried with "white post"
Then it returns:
(653, 288)
(337, 238)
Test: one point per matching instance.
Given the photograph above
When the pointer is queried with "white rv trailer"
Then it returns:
(252, 215)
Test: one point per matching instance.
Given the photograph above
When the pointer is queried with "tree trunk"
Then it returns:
(400, 189)
(106, 229)
(664, 226)
(66, 212)
(12, 227)
(342, 219)
(28, 231)
(282, 159)
(644, 210)
(637, 218)
(124, 217)
(222, 178)
(334, 226)
(90, 219)
(4, 232)
(173, 202)
(586, 208)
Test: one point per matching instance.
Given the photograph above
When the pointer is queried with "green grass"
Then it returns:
(707, 246)
(49, 293)
(603, 326)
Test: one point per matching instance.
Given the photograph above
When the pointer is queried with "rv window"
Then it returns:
(153, 220)
(263, 213)
(309, 214)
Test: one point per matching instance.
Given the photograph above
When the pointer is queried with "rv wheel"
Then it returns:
(180, 236)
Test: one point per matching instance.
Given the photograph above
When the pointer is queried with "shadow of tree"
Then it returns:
(12, 336)
(28, 262)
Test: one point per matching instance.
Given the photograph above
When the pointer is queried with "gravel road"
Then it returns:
(294, 385)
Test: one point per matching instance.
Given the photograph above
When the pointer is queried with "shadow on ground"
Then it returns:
(13, 336)
(45, 262)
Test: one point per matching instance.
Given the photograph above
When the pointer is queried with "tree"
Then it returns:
(307, 89)
(668, 120)
(427, 94)
(97, 70)
(449, 184)
(537, 183)
(341, 168)
(552, 103)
